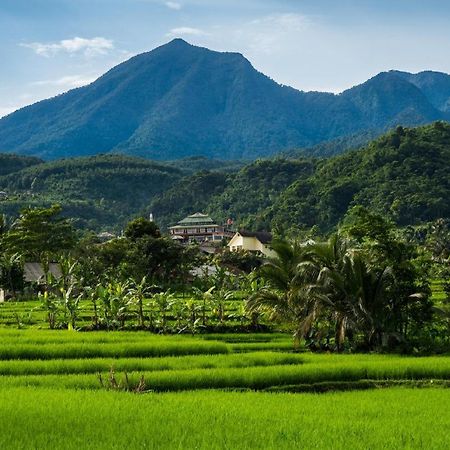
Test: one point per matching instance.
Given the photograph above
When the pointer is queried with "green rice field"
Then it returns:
(67, 389)
(71, 419)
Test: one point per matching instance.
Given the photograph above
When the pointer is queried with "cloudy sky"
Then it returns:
(50, 46)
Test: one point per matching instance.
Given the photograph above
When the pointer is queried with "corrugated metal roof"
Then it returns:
(34, 272)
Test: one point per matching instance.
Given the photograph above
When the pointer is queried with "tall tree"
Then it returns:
(38, 231)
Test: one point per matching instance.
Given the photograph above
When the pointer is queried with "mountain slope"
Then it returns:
(435, 85)
(180, 100)
(403, 174)
(13, 163)
(100, 192)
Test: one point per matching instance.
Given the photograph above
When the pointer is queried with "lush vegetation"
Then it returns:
(73, 419)
(100, 192)
(402, 175)
(14, 163)
(163, 402)
(129, 328)
(366, 287)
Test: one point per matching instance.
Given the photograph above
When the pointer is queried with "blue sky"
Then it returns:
(50, 46)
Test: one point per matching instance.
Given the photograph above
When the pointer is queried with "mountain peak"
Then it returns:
(178, 42)
(182, 100)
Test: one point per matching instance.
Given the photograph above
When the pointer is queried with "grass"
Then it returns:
(94, 365)
(380, 419)
(116, 350)
(274, 372)
(203, 393)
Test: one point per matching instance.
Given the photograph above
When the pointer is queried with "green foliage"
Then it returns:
(11, 273)
(138, 228)
(241, 260)
(40, 231)
(13, 163)
(243, 196)
(360, 283)
(189, 195)
(402, 175)
(100, 192)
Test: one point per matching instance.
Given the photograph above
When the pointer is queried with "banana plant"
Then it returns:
(164, 302)
(119, 302)
(51, 306)
(220, 298)
(206, 299)
(192, 310)
(138, 292)
(71, 303)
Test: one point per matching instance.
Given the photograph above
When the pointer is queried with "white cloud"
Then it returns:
(186, 31)
(173, 5)
(67, 82)
(272, 33)
(77, 45)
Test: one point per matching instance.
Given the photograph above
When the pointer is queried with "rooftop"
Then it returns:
(197, 219)
(263, 236)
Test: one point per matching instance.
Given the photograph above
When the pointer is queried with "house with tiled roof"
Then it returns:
(199, 227)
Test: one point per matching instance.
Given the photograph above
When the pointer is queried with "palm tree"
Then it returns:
(289, 292)
(352, 288)
(328, 280)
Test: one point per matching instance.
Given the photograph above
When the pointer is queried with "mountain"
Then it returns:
(242, 195)
(403, 174)
(435, 85)
(180, 100)
(99, 192)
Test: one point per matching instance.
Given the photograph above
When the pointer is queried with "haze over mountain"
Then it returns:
(180, 100)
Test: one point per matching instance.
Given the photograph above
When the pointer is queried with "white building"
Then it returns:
(258, 241)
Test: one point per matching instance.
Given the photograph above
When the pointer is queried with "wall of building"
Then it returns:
(251, 244)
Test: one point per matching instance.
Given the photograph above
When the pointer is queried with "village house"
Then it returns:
(34, 274)
(200, 228)
(258, 242)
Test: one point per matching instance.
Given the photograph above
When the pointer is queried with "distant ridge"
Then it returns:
(180, 100)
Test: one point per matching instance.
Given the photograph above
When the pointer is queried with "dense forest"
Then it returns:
(402, 175)
(180, 100)
(99, 192)
(12, 163)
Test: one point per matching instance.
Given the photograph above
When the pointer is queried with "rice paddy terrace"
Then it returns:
(135, 389)
(62, 389)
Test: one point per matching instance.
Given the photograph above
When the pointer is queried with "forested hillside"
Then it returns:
(180, 100)
(13, 163)
(403, 174)
(100, 192)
